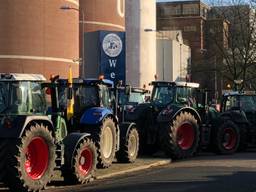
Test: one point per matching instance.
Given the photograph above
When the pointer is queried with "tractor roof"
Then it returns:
(239, 93)
(135, 89)
(21, 77)
(92, 82)
(177, 83)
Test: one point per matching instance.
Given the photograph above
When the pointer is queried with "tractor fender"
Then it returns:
(236, 116)
(71, 142)
(124, 130)
(167, 115)
(95, 115)
(22, 122)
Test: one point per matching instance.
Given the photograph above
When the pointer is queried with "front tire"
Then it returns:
(31, 161)
(83, 164)
(227, 138)
(129, 148)
(180, 138)
(105, 140)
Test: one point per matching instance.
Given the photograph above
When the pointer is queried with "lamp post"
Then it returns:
(163, 56)
(67, 8)
(215, 75)
(178, 38)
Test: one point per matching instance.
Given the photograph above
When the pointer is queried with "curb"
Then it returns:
(155, 164)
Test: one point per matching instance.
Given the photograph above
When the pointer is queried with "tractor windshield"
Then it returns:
(246, 103)
(163, 95)
(134, 97)
(14, 97)
(86, 96)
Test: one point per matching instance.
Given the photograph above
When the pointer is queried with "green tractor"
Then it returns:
(177, 120)
(35, 141)
(238, 111)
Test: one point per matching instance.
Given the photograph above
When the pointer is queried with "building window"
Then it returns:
(190, 11)
(189, 28)
(172, 10)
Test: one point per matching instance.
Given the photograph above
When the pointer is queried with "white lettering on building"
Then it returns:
(112, 63)
(113, 75)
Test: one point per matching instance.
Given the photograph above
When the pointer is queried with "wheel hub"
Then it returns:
(132, 145)
(229, 138)
(85, 161)
(107, 142)
(36, 158)
(185, 136)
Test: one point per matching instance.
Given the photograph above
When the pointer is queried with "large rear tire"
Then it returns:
(105, 140)
(129, 148)
(180, 138)
(227, 138)
(83, 165)
(31, 161)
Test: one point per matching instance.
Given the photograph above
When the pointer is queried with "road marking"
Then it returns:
(139, 168)
(37, 58)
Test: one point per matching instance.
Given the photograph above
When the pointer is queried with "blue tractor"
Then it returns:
(95, 112)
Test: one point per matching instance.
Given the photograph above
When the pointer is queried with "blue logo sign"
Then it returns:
(112, 61)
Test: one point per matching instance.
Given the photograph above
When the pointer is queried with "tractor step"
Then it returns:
(59, 154)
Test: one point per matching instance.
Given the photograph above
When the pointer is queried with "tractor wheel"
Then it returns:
(31, 160)
(129, 148)
(227, 138)
(83, 164)
(105, 140)
(243, 145)
(180, 138)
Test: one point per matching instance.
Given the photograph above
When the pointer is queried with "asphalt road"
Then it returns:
(207, 173)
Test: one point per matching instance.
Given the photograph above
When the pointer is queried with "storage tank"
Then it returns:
(103, 15)
(99, 15)
(140, 45)
(38, 37)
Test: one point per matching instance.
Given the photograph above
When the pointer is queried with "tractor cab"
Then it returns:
(240, 102)
(92, 93)
(176, 93)
(134, 97)
(128, 98)
(22, 94)
(245, 101)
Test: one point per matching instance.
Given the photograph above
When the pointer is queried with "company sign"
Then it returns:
(112, 61)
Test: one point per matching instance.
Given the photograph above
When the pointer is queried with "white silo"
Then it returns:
(140, 45)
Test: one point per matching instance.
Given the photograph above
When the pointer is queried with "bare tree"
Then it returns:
(231, 34)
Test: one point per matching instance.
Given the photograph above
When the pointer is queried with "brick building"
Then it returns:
(189, 17)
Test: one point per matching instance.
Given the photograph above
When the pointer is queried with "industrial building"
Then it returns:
(189, 17)
(173, 57)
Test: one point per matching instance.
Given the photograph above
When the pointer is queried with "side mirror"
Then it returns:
(70, 93)
(128, 90)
